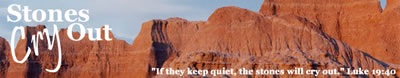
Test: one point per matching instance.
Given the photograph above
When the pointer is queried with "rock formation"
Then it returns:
(80, 59)
(359, 23)
(285, 34)
(234, 38)
(4, 63)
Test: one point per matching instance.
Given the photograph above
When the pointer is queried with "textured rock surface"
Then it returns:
(234, 38)
(285, 34)
(81, 59)
(4, 63)
(360, 23)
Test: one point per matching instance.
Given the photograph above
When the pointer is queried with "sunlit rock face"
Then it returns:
(361, 24)
(234, 38)
(311, 34)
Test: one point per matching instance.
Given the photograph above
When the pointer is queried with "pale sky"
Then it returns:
(383, 3)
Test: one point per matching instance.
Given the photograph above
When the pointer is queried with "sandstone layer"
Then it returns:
(80, 59)
(235, 38)
(285, 34)
(360, 23)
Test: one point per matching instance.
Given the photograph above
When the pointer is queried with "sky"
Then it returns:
(124, 16)
(383, 3)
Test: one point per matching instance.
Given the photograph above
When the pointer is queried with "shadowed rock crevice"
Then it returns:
(4, 63)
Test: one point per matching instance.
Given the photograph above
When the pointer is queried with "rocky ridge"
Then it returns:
(313, 34)
(360, 23)
(234, 37)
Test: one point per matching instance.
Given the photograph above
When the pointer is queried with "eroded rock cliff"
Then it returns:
(234, 38)
(360, 23)
(80, 59)
(4, 63)
(285, 34)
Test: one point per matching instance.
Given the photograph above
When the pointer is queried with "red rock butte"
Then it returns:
(284, 34)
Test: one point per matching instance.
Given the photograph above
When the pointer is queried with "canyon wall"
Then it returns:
(359, 23)
(284, 34)
(80, 59)
(234, 38)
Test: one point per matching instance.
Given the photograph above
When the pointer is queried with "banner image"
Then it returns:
(199, 38)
